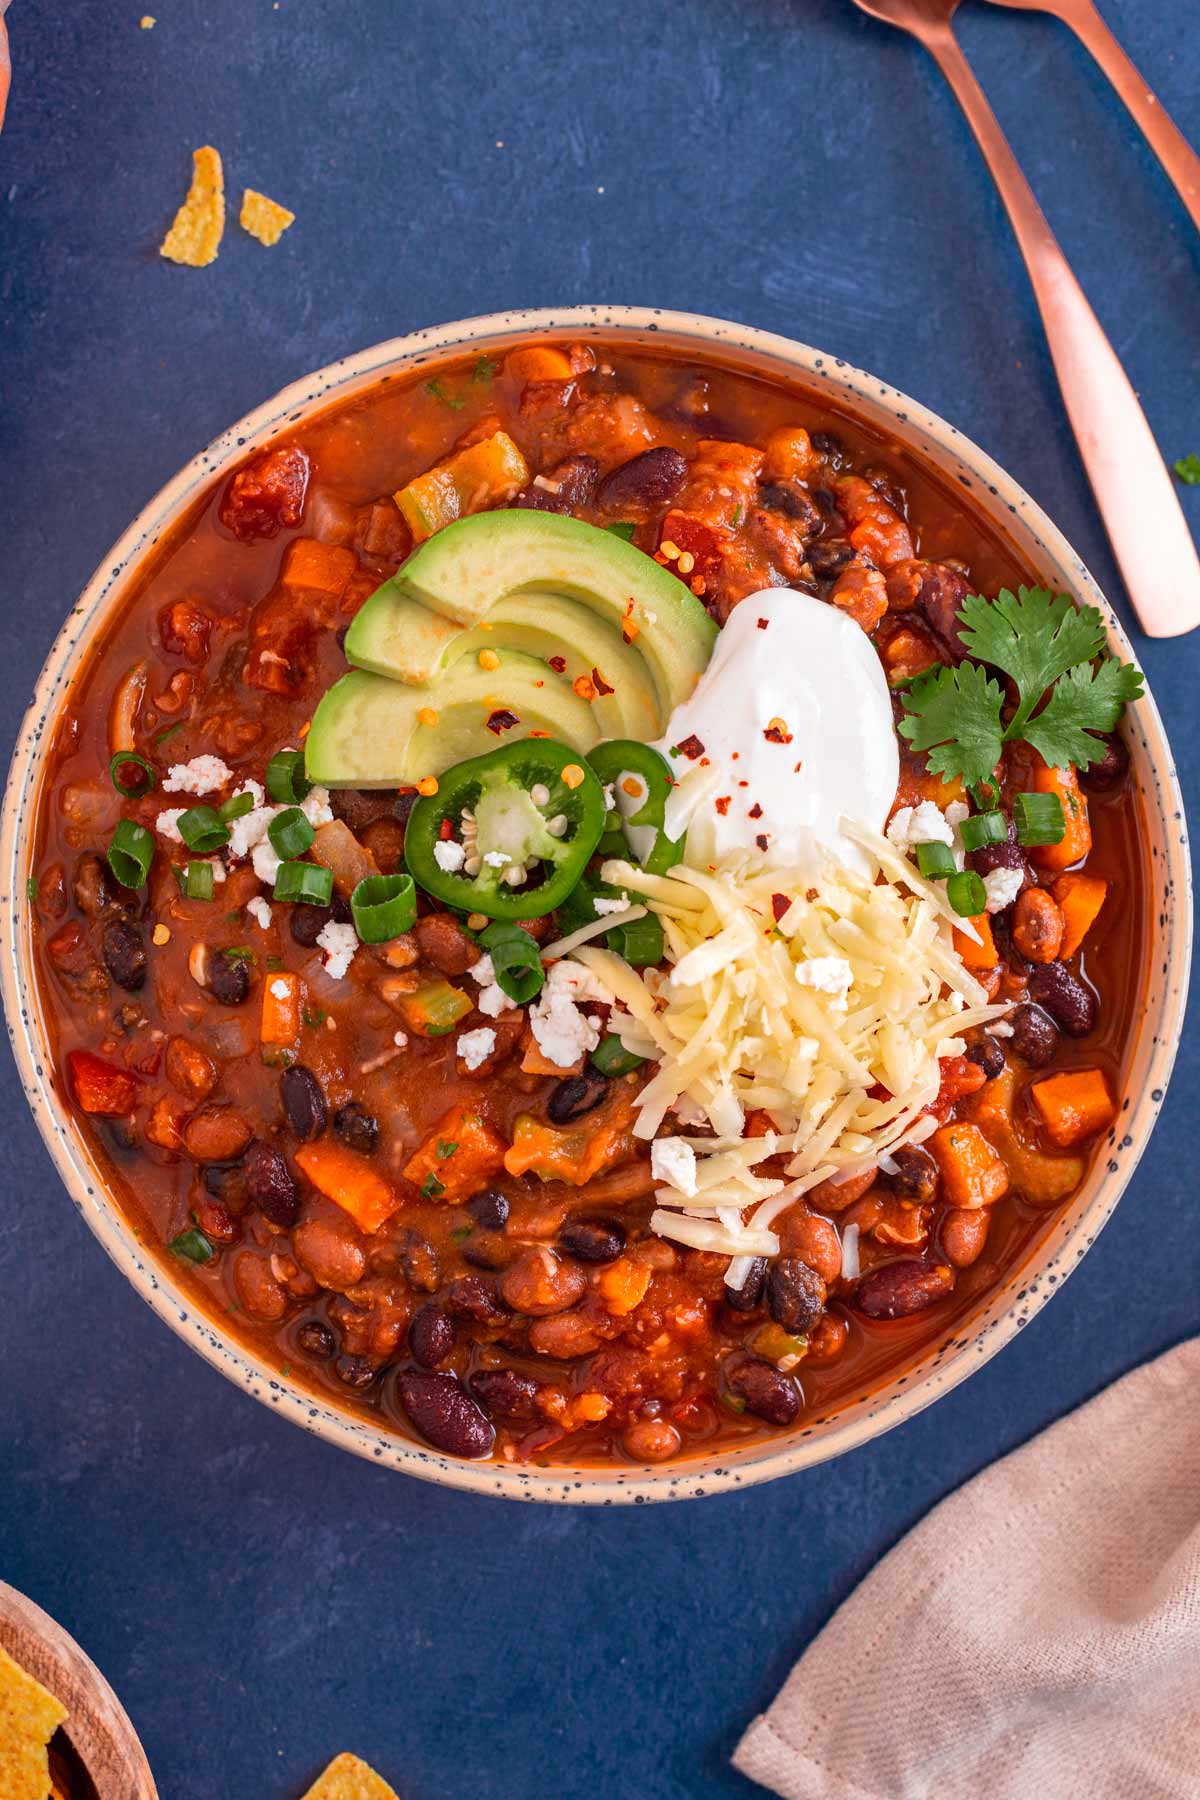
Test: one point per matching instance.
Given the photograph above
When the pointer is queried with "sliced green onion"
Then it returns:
(287, 783)
(201, 829)
(304, 881)
(383, 907)
(935, 861)
(237, 808)
(516, 961)
(290, 834)
(130, 853)
(624, 529)
(984, 795)
(198, 881)
(147, 779)
(169, 732)
(966, 893)
(612, 1058)
(983, 828)
(1039, 819)
(192, 1246)
(640, 943)
(31, 888)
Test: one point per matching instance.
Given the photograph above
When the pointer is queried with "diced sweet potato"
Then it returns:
(279, 1031)
(318, 571)
(482, 476)
(1079, 898)
(973, 1173)
(350, 1181)
(983, 955)
(538, 362)
(458, 1158)
(573, 1153)
(1073, 1106)
(1077, 839)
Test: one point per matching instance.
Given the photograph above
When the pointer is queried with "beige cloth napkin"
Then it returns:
(1037, 1637)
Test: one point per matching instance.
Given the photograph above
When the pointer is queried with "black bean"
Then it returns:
(356, 1127)
(644, 483)
(303, 1102)
(226, 1182)
(489, 1209)
(577, 1095)
(444, 1414)
(419, 1262)
(830, 446)
(593, 1240)
(315, 1339)
(915, 1176)
(405, 800)
(769, 1393)
(356, 1372)
(571, 484)
(793, 501)
(306, 923)
(124, 954)
(1109, 771)
(748, 1298)
(887, 483)
(795, 1295)
(1035, 1036)
(269, 1183)
(228, 978)
(507, 1396)
(92, 885)
(431, 1336)
(828, 555)
(1072, 1006)
(475, 1297)
(988, 1052)
(360, 807)
(1008, 855)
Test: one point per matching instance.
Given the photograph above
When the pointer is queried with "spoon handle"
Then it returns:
(1133, 489)
(1164, 137)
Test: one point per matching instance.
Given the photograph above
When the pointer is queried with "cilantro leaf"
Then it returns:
(1034, 636)
(954, 714)
(1086, 700)
(1188, 469)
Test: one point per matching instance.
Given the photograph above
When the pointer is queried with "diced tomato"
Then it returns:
(100, 1088)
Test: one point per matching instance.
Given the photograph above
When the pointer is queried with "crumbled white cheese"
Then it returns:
(266, 861)
(827, 975)
(673, 1161)
(562, 1033)
(1002, 887)
(610, 799)
(400, 1039)
(482, 971)
(259, 911)
(576, 982)
(249, 830)
(449, 856)
(339, 942)
(316, 808)
(492, 1001)
(603, 905)
(476, 1046)
(851, 1267)
(167, 824)
(280, 989)
(1001, 1028)
(203, 775)
(923, 824)
(496, 859)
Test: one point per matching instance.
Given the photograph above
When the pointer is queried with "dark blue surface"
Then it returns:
(258, 1599)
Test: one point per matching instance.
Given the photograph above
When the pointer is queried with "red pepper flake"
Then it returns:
(755, 811)
(763, 623)
(583, 686)
(797, 768)
(779, 905)
(558, 664)
(734, 755)
(762, 840)
(722, 803)
(704, 762)
(743, 784)
(602, 686)
(691, 747)
(502, 720)
(445, 830)
(777, 732)
(543, 734)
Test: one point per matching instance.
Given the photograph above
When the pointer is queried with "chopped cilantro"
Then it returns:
(313, 1016)
(460, 1232)
(484, 369)
(445, 1150)
(439, 392)
(432, 1188)
(238, 953)
(274, 963)
(737, 515)
(1048, 646)
(1188, 469)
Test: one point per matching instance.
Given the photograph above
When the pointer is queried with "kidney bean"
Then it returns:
(443, 942)
(795, 1294)
(332, 1253)
(1037, 926)
(1035, 1037)
(303, 1102)
(507, 1396)
(357, 1372)
(306, 923)
(813, 1239)
(593, 1240)
(570, 485)
(269, 1183)
(769, 1393)
(315, 1339)
(964, 1233)
(227, 979)
(943, 591)
(578, 1095)
(489, 1209)
(442, 1411)
(356, 1127)
(564, 1335)
(124, 954)
(899, 1289)
(475, 1297)
(988, 1053)
(748, 1298)
(915, 1176)
(1072, 1006)
(650, 1440)
(215, 1134)
(92, 886)
(431, 1336)
(541, 1282)
(419, 1263)
(1109, 771)
(644, 483)
(189, 1069)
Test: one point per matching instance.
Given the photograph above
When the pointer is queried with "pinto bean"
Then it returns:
(795, 1294)
(964, 1234)
(124, 954)
(92, 886)
(1072, 1006)
(1035, 1036)
(440, 1409)
(827, 1339)
(769, 1393)
(836, 1196)
(257, 1290)
(443, 942)
(1037, 926)
(541, 1282)
(506, 1395)
(899, 1289)
(813, 1239)
(564, 1335)
(644, 483)
(216, 1134)
(189, 1069)
(431, 1336)
(650, 1440)
(269, 1183)
(332, 1254)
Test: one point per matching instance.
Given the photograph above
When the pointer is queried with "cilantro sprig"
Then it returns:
(1048, 647)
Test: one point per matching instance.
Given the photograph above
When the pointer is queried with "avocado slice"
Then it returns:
(397, 635)
(367, 732)
(464, 569)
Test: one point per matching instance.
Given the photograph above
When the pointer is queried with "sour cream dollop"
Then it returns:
(788, 732)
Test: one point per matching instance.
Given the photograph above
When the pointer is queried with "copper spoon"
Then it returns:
(1168, 143)
(1129, 478)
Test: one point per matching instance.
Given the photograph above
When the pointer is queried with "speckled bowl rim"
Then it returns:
(973, 1341)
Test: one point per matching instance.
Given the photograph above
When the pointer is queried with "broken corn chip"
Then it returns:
(195, 236)
(347, 1778)
(264, 219)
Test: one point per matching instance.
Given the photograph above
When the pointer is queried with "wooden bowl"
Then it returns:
(97, 1748)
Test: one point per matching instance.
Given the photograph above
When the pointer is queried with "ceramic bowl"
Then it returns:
(1036, 541)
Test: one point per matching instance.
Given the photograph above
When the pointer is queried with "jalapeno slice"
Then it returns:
(499, 821)
(641, 781)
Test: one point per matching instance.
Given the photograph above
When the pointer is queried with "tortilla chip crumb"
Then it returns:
(347, 1778)
(29, 1717)
(195, 237)
(147, 22)
(264, 219)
